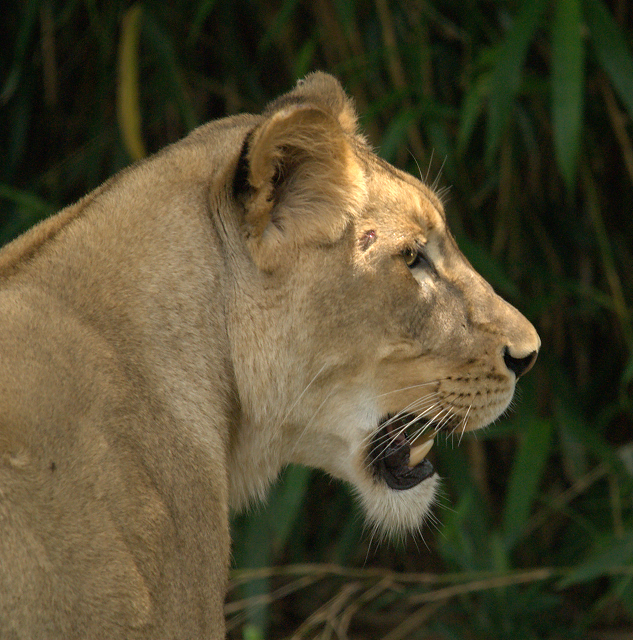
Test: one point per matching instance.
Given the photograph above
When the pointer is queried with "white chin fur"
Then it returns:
(397, 512)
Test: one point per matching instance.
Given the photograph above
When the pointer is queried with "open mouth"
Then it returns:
(394, 459)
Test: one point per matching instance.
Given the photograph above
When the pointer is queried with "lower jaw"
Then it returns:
(395, 462)
(406, 478)
(398, 512)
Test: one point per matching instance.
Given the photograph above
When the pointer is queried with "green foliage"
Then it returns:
(523, 108)
(508, 72)
(612, 50)
(567, 79)
(526, 475)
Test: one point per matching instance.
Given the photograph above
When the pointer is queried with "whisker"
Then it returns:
(327, 397)
(463, 424)
(417, 164)
(389, 437)
(413, 386)
(431, 411)
(428, 171)
(374, 531)
(415, 406)
(439, 175)
(432, 521)
(408, 409)
(445, 419)
(316, 375)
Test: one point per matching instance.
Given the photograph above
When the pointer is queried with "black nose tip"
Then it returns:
(519, 366)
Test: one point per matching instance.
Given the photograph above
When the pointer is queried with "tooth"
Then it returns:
(419, 453)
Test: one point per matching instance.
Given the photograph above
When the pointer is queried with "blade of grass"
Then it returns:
(204, 10)
(611, 50)
(29, 209)
(18, 122)
(625, 593)
(587, 431)
(618, 552)
(508, 73)
(128, 98)
(27, 25)
(304, 58)
(167, 62)
(471, 110)
(608, 259)
(279, 24)
(26, 200)
(525, 477)
(288, 498)
(268, 527)
(620, 125)
(396, 134)
(627, 376)
(567, 86)
(256, 551)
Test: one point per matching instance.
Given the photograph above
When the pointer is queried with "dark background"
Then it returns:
(520, 113)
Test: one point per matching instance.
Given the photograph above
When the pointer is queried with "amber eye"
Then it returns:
(411, 257)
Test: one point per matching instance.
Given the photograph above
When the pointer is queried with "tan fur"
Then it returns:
(235, 303)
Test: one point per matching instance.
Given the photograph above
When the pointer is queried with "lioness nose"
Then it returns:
(519, 366)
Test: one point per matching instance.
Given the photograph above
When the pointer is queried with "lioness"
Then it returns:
(265, 291)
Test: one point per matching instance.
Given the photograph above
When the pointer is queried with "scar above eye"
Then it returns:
(367, 239)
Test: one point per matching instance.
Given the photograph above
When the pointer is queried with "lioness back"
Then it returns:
(266, 291)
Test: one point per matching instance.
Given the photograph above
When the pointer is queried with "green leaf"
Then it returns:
(611, 50)
(279, 24)
(286, 502)
(471, 110)
(128, 96)
(28, 208)
(304, 57)
(27, 200)
(396, 133)
(525, 477)
(508, 72)
(167, 63)
(251, 632)
(205, 7)
(626, 593)
(346, 13)
(28, 23)
(627, 376)
(466, 532)
(255, 551)
(619, 553)
(256, 533)
(567, 85)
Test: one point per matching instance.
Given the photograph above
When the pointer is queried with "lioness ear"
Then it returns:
(325, 91)
(303, 183)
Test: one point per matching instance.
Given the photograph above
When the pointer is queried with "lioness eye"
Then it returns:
(412, 257)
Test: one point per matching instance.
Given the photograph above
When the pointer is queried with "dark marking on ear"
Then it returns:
(367, 239)
(277, 181)
(241, 183)
(284, 169)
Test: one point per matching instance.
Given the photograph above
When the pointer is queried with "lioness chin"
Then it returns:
(265, 291)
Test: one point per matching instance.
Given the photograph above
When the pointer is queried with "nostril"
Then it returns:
(519, 366)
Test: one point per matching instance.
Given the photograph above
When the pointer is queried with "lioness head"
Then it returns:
(359, 331)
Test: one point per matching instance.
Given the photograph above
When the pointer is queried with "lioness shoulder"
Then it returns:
(266, 291)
